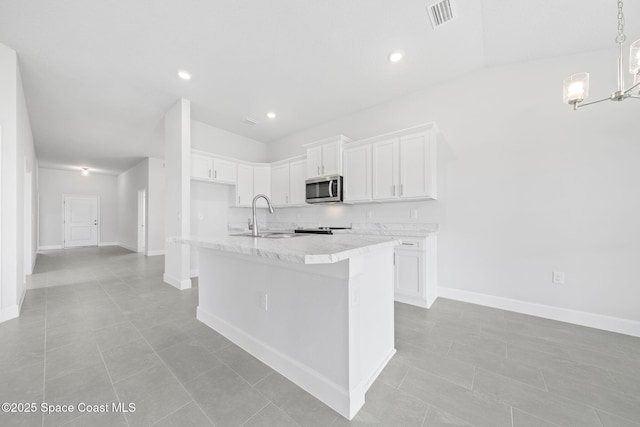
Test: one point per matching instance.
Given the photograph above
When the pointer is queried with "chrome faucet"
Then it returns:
(254, 229)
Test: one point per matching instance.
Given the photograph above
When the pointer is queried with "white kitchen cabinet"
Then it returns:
(280, 185)
(244, 186)
(261, 184)
(297, 187)
(404, 166)
(357, 174)
(385, 169)
(250, 181)
(416, 271)
(417, 166)
(201, 167)
(325, 157)
(224, 171)
(288, 183)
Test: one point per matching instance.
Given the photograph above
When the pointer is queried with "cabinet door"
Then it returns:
(417, 166)
(314, 162)
(297, 187)
(201, 167)
(244, 186)
(385, 169)
(261, 184)
(331, 159)
(224, 171)
(409, 273)
(357, 174)
(280, 185)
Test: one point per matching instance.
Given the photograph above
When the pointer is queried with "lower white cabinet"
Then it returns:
(416, 271)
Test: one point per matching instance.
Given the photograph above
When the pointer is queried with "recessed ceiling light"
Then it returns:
(271, 115)
(396, 56)
(184, 75)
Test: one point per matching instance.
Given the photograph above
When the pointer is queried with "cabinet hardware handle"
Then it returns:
(393, 189)
(238, 199)
(286, 199)
(209, 172)
(401, 190)
(318, 170)
(330, 188)
(215, 174)
(408, 244)
(322, 169)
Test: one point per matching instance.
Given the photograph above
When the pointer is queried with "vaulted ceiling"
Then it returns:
(99, 75)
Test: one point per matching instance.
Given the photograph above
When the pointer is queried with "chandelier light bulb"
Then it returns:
(85, 171)
(634, 57)
(576, 90)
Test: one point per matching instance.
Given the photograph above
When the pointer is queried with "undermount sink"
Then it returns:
(270, 235)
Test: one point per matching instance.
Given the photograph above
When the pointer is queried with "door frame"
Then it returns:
(142, 221)
(65, 195)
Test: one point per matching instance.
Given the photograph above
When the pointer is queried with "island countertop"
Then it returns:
(305, 249)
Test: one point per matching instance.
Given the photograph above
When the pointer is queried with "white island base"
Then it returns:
(327, 327)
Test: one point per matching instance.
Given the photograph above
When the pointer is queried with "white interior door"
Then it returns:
(80, 221)
(142, 215)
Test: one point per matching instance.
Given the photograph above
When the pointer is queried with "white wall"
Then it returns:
(177, 146)
(54, 183)
(129, 183)
(214, 140)
(17, 156)
(155, 207)
(527, 186)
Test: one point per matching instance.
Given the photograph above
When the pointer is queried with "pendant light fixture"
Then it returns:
(576, 87)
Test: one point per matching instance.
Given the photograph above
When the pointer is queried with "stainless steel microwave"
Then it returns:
(325, 189)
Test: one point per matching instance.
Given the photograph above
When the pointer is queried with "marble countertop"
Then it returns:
(305, 249)
(364, 229)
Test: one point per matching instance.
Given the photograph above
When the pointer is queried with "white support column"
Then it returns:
(177, 137)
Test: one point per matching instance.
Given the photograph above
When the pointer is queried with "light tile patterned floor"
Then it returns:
(100, 326)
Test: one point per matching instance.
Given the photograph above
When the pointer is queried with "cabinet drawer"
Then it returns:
(411, 243)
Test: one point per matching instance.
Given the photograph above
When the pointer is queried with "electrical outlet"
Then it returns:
(557, 277)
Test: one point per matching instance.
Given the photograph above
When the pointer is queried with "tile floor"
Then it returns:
(100, 326)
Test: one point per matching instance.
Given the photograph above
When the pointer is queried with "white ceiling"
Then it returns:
(99, 75)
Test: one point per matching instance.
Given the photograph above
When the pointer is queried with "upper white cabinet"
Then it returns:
(357, 173)
(201, 167)
(244, 186)
(297, 187)
(224, 171)
(288, 183)
(213, 169)
(261, 184)
(385, 167)
(325, 157)
(403, 166)
(280, 185)
(251, 181)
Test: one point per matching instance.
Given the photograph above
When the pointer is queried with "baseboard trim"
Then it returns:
(177, 283)
(108, 244)
(124, 245)
(325, 390)
(583, 318)
(49, 247)
(9, 313)
(155, 253)
(195, 272)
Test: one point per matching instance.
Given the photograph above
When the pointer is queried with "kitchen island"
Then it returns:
(318, 309)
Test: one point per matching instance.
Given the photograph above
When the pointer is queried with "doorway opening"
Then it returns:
(81, 215)
(142, 217)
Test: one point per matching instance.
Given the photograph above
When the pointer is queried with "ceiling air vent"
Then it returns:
(440, 13)
(249, 121)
